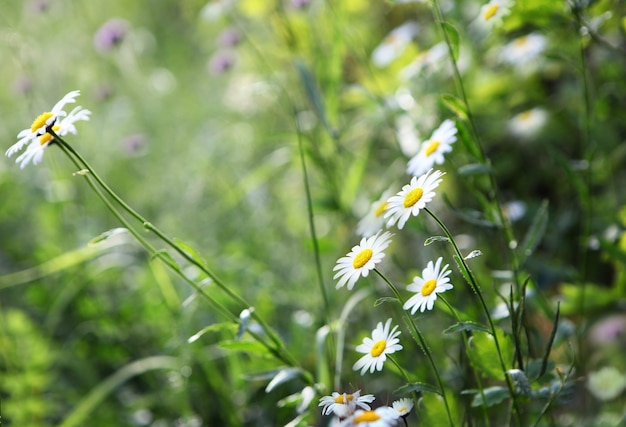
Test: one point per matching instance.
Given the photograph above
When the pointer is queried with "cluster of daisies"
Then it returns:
(38, 137)
(354, 410)
(389, 211)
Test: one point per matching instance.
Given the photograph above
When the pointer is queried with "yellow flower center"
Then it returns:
(366, 417)
(381, 209)
(362, 257)
(429, 287)
(525, 115)
(413, 197)
(47, 137)
(343, 398)
(521, 41)
(402, 410)
(40, 121)
(490, 11)
(378, 348)
(432, 147)
(390, 39)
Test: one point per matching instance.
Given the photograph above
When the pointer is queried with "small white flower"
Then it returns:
(34, 151)
(402, 406)
(40, 124)
(379, 417)
(376, 348)
(494, 11)
(432, 150)
(606, 383)
(394, 44)
(412, 198)
(430, 60)
(434, 280)
(523, 49)
(374, 220)
(344, 404)
(526, 124)
(361, 259)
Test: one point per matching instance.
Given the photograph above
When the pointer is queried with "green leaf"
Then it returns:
(432, 239)
(106, 235)
(382, 300)
(592, 296)
(164, 256)
(555, 324)
(455, 105)
(483, 353)
(493, 396)
(314, 96)
(535, 232)
(475, 169)
(453, 39)
(466, 326)
(283, 376)
(212, 328)
(417, 387)
(190, 251)
(433, 411)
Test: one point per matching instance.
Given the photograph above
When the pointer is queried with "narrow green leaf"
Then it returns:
(417, 387)
(464, 273)
(106, 235)
(382, 300)
(453, 39)
(246, 347)
(212, 328)
(164, 256)
(433, 239)
(283, 376)
(535, 232)
(313, 94)
(475, 169)
(475, 253)
(544, 362)
(190, 251)
(455, 105)
(466, 326)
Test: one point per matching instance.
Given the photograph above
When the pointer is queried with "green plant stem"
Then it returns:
(421, 341)
(278, 350)
(474, 285)
(510, 240)
(476, 376)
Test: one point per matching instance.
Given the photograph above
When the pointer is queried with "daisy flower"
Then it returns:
(40, 124)
(434, 280)
(383, 342)
(402, 406)
(361, 259)
(412, 198)
(526, 124)
(343, 404)
(523, 49)
(37, 136)
(494, 11)
(394, 44)
(432, 150)
(374, 221)
(379, 417)
(34, 151)
(429, 60)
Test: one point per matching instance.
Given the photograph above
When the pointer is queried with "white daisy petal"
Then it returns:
(361, 259)
(384, 341)
(433, 149)
(412, 198)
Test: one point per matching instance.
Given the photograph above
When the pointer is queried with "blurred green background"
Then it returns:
(198, 112)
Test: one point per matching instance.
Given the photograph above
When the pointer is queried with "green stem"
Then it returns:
(421, 341)
(279, 350)
(474, 285)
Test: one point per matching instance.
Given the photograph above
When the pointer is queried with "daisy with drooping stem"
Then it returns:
(379, 417)
(37, 136)
(412, 198)
(374, 220)
(361, 259)
(432, 150)
(434, 280)
(344, 404)
(384, 341)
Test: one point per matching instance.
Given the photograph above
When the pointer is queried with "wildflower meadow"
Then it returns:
(313, 213)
